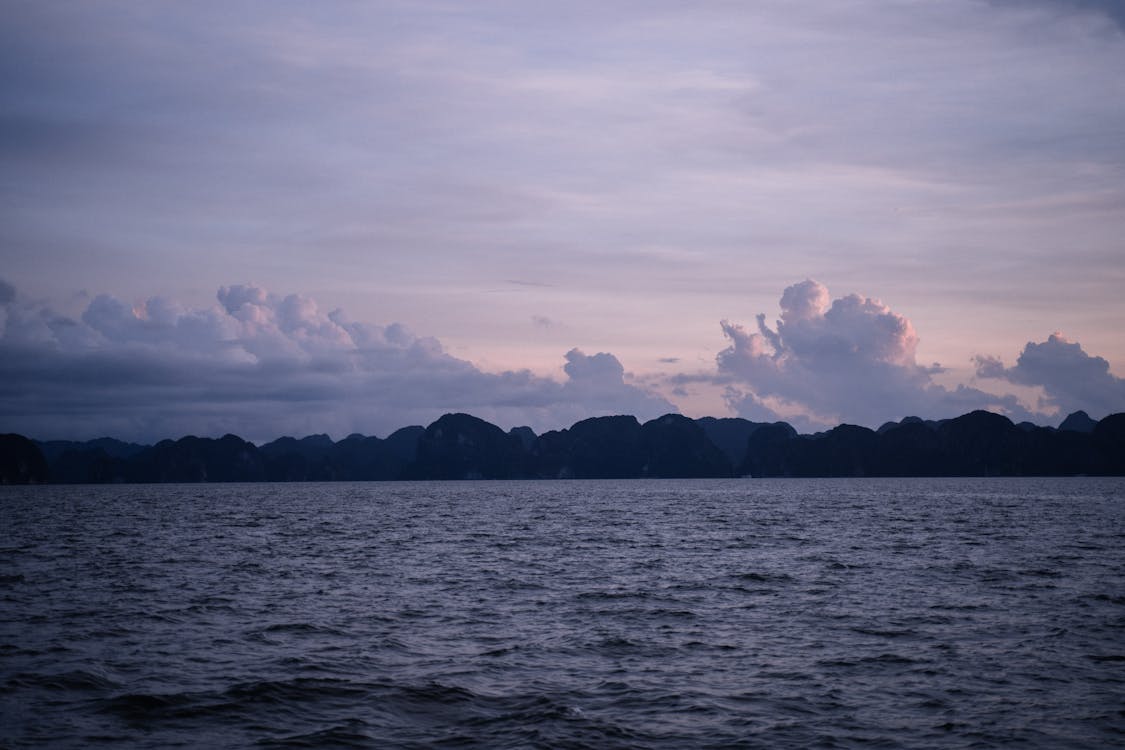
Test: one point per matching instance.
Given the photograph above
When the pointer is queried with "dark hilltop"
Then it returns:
(461, 446)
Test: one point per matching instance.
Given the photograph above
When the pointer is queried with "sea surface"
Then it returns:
(914, 613)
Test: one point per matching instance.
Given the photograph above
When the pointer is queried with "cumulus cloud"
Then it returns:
(826, 361)
(600, 379)
(1070, 378)
(262, 365)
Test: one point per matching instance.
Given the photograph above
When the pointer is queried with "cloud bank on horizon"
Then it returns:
(262, 365)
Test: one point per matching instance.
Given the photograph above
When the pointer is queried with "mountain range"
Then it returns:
(461, 446)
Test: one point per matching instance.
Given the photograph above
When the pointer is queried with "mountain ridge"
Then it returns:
(462, 446)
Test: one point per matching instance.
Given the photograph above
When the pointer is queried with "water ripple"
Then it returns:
(654, 614)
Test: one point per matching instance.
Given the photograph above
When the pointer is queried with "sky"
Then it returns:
(276, 218)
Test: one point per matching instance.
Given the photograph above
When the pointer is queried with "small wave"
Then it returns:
(138, 707)
(301, 627)
(345, 735)
(616, 642)
(1108, 598)
(612, 595)
(967, 607)
(614, 686)
(675, 614)
(1041, 573)
(298, 690)
(885, 658)
(756, 577)
(436, 692)
(884, 632)
(701, 646)
(515, 584)
(619, 645)
(243, 698)
(73, 680)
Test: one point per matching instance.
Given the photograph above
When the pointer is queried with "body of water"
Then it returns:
(969, 613)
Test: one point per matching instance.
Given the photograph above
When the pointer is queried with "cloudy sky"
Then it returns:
(283, 218)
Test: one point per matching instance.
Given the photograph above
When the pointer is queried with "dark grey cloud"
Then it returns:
(262, 365)
(1070, 378)
(851, 359)
(1114, 10)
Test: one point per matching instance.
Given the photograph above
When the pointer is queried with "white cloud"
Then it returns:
(851, 359)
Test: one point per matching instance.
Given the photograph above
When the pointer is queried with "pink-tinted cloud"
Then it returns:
(851, 359)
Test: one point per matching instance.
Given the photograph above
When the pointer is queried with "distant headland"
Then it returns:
(461, 446)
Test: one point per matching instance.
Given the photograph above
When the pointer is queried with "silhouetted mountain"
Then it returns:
(730, 435)
(1109, 443)
(596, 448)
(886, 426)
(21, 461)
(909, 449)
(92, 461)
(461, 446)
(976, 444)
(526, 436)
(355, 458)
(54, 449)
(313, 446)
(290, 460)
(1078, 421)
(90, 466)
(846, 450)
(766, 451)
(549, 456)
(194, 459)
(980, 443)
(359, 457)
(675, 446)
(1045, 451)
(620, 447)
(403, 442)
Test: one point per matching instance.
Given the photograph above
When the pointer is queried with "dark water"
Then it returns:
(662, 614)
